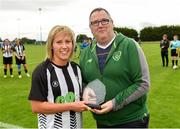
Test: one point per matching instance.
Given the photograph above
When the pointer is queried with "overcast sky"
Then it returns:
(22, 18)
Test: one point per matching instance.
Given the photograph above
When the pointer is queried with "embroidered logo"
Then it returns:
(117, 55)
(55, 83)
(89, 61)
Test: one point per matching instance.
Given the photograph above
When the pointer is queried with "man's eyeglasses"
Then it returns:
(103, 22)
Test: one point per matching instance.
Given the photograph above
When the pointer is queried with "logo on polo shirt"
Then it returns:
(117, 55)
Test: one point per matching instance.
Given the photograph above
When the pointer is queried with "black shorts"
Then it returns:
(7, 60)
(20, 61)
(173, 52)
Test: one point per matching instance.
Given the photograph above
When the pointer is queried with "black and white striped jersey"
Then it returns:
(70, 87)
(19, 49)
(8, 50)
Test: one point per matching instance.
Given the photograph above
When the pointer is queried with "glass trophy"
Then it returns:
(94, 93)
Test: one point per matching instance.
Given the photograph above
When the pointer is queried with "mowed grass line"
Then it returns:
(163, 100)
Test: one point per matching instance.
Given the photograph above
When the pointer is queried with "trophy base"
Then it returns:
(94, 106)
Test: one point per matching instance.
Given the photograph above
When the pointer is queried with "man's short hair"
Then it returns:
(98, 10)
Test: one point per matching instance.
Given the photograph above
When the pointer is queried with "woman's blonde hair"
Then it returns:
(56, 29)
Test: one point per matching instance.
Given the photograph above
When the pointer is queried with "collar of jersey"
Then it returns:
(65, 66)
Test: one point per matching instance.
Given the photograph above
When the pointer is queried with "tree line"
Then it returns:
(26, 40)
(146, 34)
(155, 33)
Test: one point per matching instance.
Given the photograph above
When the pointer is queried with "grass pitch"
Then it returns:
(163, 99)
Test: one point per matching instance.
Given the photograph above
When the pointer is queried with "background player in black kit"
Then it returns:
(164, 44)
(7, 51)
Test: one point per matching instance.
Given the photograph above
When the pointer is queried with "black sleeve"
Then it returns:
(23, 48)
(39, 88)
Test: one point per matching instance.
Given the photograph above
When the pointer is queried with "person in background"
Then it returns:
(119, 63)
(20, 57)
(85, 43)
(7, 51)
(175, 44)
(164, 45)
(57, 84)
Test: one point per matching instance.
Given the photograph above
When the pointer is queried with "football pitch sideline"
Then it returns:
(163, 98)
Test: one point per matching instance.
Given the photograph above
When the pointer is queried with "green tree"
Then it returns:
(132, 33)
(25, 40)
(155, 33)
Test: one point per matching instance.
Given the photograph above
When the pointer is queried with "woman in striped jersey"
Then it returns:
(57, 84)
(7, 57)
(19, 52)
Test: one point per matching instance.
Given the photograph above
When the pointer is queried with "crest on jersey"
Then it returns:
(55, 83)
(117, 55)
(89, 61)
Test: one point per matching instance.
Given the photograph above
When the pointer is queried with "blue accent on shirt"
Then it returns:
(175, 44)
(84, 45)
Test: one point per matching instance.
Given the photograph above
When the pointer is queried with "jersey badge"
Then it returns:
(117, 55)
(55, 83)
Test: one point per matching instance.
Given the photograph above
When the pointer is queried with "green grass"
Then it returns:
(15, 107)
(163, 100)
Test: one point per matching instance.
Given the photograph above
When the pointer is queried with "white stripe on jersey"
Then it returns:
(64, 91)
(74, 81)
(80, 78)
(76, 90)
(50, 98)
(19, 50)
(7, 53)
(50, 121)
